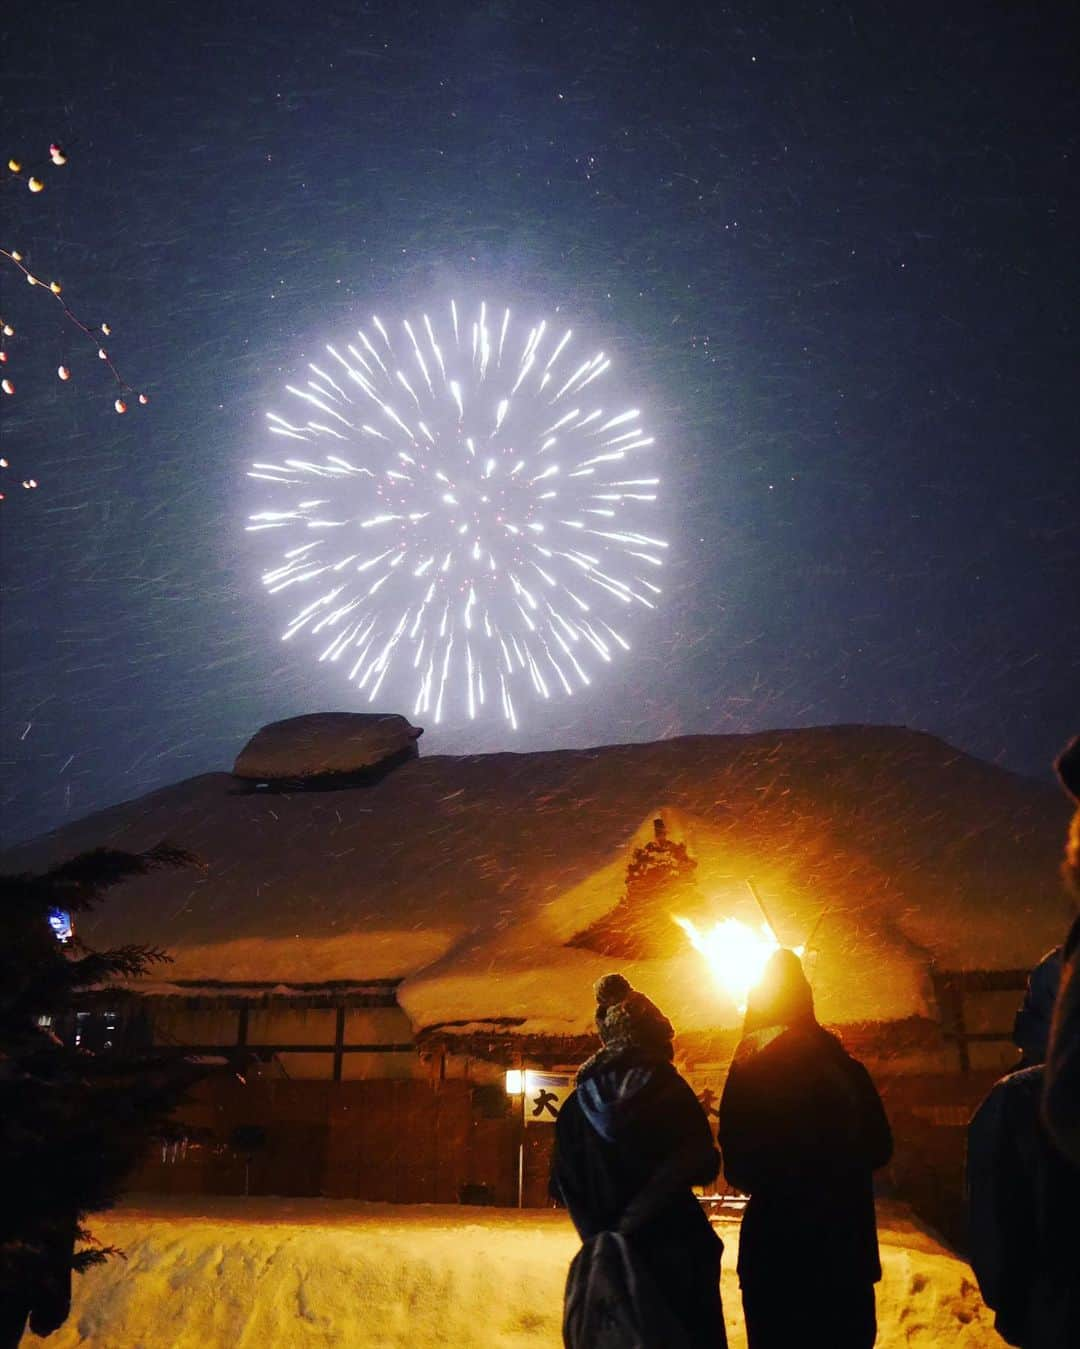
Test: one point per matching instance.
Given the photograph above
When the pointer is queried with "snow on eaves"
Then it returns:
(466, 876)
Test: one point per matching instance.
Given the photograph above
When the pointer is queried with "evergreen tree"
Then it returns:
(73, 1123)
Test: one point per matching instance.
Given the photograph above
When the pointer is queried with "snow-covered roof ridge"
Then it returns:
(467, 875)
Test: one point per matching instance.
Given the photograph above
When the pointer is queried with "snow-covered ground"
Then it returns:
(252, 1273)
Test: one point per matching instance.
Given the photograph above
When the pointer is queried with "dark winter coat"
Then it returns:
(1061, 1101)
(612, 1301)
(1023, 1198)
(629, 1144)
(802, 1130)
(1062, 1085)
(35, 1275)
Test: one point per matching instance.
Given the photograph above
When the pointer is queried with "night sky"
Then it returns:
(836, 247)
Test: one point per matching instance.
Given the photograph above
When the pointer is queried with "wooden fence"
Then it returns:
(402, 1141)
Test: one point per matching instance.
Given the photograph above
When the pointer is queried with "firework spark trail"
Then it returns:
(483, 519)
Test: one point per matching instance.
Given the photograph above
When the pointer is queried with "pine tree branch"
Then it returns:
(80, 882)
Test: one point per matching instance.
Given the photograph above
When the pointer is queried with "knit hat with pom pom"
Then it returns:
(626, 1017)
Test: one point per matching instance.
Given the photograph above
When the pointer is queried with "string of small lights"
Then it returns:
(97, 334)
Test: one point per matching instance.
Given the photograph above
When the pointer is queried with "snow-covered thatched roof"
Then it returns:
(467, 876)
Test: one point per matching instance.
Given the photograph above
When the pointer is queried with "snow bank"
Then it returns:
(245, 1273)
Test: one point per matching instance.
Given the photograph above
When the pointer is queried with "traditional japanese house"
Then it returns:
(375, 938)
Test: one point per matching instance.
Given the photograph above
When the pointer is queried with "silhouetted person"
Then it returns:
(802, 1130)
(1061, 1102)
(42, 1294)
(630, 1142)
(1023, 1196)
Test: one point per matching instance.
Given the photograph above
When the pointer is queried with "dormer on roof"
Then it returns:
(327, 751)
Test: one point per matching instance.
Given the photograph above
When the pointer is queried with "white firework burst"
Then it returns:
(464, 516)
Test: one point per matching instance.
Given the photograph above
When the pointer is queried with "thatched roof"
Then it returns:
(467, 876)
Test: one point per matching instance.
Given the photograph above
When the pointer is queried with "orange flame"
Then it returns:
(735, 953)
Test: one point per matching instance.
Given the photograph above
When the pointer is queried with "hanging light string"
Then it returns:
(35, 183)
(95, 334)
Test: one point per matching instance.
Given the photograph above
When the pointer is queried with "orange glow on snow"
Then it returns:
(735, 953)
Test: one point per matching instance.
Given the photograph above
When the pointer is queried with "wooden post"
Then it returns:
(521, 1144)
(758, 901)
(956, 993)
(339, 1041)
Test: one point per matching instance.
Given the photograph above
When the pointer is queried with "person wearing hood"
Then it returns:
(802, 1130)
(1022, 1193)
(1061, 1098)
(630, 1142)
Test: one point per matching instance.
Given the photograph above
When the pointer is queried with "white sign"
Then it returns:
(544, 1093)
(544, 1096)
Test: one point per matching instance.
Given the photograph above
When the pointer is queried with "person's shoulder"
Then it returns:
(756, 1042)
(570, 1113)
(667, 1089)
(829, 1041)
(831, 1045)
(666, 1079)
(1024, 1079)
(1020, 1083)
(834, 1057)
(1023, 1088)
(806, 1045)
(1012, 1097)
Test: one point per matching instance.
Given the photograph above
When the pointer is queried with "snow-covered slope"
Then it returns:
(467, 875)
(242, 1274)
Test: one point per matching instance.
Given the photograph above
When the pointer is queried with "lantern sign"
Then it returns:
(544, 1096)
(60, 922)
(544, 1093)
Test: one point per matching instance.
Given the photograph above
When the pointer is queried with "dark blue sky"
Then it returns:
(837, 246)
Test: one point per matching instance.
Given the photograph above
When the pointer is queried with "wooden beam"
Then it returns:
(258, 1049)
(339, 1042)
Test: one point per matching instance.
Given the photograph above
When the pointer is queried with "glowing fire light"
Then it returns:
(735, 953)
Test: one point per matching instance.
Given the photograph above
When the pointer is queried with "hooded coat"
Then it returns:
(1023, 1195)
(802, 1130)
(1061, 1099)
(630, 1142)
